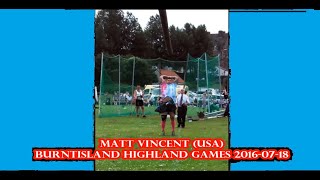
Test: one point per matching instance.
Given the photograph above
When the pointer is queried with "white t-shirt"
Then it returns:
(139, 94)
(185, 99)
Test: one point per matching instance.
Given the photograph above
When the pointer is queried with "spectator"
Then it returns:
(182, 104)
(138, 97)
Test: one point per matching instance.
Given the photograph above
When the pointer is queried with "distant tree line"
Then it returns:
(117, 33)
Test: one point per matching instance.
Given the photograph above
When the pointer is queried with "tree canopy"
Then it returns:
(119, 33)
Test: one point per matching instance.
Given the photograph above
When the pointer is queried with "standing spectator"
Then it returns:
(115, 98)
(204, 101)
(138, 97)
(182, 104)
(227, 101)
(150, 100)
(127, 98)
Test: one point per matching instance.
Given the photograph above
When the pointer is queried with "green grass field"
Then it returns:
(128, 110)
(134, 127)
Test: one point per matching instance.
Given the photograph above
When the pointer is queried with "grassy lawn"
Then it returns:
(128, 110)
(133, 127)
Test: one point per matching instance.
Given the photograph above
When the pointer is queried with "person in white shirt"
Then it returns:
(204, 100)
(138, 96)
(150, 100)
(182, 104)
(127, 98)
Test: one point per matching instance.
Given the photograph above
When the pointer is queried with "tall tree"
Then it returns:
(190, 31)
(117, 33)
(131, 30)
(202, 41)
(108, 25)
(155, 38)
(180, 42)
